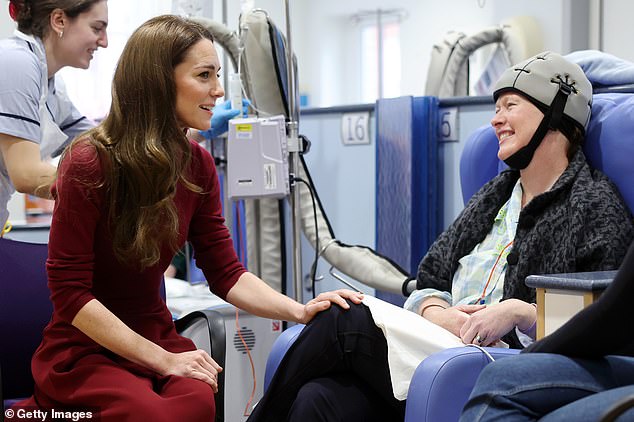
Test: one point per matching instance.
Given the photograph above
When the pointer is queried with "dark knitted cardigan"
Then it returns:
(581, 224)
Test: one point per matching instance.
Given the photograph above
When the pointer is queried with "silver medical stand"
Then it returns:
(294, 150)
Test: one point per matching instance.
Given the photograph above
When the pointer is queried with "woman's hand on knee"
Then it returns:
(196, 364)
(324, 300)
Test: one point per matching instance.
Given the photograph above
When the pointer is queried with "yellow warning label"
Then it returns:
(245, 127)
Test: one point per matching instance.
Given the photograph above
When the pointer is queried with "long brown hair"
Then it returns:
(143, 148)
(33, 15)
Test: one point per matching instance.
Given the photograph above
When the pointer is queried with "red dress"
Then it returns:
(71, 370)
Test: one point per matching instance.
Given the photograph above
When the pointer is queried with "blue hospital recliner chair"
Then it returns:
(442, 383)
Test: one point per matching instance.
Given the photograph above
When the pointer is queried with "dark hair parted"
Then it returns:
(33, 15)
(144, 150)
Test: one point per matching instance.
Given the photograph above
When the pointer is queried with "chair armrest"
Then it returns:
(280, 347)
(560, 296)
(583, 281)
(207, 330)
(442, 383)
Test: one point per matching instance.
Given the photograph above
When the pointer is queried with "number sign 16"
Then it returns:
(355, 128)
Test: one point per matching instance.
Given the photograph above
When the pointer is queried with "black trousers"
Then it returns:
(337, 370)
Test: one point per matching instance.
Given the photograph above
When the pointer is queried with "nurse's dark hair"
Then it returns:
(33, 15)
(142, 145)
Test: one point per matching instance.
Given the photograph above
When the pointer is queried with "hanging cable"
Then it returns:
(247, 411)
(484, 291)
(491, 358)
(313, 268)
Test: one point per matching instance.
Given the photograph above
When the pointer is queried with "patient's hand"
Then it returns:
(453, 318)
(496, 320)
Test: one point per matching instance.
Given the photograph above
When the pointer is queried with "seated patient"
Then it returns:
(540, 216)
(575, 374)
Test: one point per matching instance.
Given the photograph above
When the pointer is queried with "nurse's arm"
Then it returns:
(28, 173)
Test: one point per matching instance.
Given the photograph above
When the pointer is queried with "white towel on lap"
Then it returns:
(410, 339)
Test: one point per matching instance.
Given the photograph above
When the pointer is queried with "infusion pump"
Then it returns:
(257, 158)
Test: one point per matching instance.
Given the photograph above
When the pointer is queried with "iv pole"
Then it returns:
(294, 149)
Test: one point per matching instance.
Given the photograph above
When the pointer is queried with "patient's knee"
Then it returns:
(340, 397)
(314, 402)
(356, 315)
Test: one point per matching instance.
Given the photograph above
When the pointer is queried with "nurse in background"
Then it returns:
(36, 116)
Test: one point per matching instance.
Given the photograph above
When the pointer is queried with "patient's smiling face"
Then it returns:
(516, 120)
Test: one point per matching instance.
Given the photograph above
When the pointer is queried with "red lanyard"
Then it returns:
(484, 291)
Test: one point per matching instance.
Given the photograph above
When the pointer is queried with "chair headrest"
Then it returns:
(609, 143)
(479, 162)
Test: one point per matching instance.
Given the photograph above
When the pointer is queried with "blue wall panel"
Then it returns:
(408, 182)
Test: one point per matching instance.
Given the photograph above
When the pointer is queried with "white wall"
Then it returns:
(618, 31)
(6, 24)
(329, 41)
(326, 41)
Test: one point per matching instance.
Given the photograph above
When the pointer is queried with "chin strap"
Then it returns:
(551, 121)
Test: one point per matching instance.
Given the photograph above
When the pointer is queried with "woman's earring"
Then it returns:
(61, 34)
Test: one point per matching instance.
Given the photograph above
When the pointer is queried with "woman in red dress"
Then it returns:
(128, 194)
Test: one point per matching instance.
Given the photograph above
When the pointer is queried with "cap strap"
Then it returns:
(552, 120)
